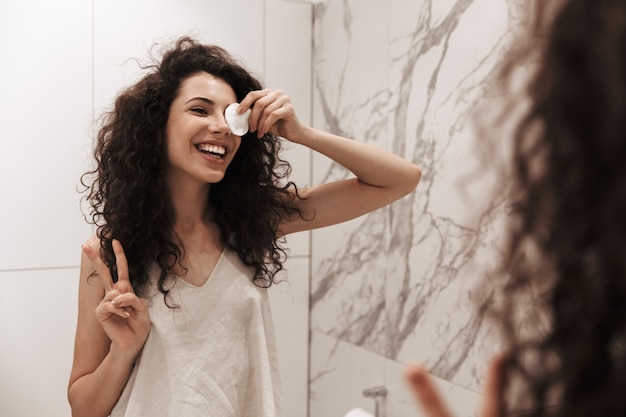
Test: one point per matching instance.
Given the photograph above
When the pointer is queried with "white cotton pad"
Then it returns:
(358, 412)
(238, 123)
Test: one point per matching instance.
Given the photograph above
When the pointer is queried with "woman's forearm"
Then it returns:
(371, 165)
(95, 394)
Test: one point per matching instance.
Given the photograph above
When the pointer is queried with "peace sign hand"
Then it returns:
(433, 405)
(124, 316)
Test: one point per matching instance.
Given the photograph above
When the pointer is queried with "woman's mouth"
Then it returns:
(215, 151)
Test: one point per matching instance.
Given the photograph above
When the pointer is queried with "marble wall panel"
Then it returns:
(408, 282)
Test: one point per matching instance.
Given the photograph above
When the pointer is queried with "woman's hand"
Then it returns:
(432, 404)
(123, 316)
(271, 112)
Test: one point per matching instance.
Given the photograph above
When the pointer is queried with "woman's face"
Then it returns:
(200, 145)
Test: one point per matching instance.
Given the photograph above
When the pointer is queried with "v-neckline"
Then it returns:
(211, 274)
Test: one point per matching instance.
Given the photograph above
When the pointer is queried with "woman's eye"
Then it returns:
(199, 110)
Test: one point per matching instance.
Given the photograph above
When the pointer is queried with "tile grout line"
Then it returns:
(36, 269)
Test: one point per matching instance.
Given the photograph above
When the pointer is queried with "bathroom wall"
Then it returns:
(62, 63)
(396, 286)
(405, 284)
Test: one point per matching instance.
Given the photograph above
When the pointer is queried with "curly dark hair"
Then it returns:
(127, 191)
(567, 234)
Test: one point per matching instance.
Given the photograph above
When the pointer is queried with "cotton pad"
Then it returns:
(238, 123)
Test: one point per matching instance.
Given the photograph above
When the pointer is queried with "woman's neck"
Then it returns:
(191, 206)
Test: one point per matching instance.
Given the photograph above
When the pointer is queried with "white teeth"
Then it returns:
(205, 147)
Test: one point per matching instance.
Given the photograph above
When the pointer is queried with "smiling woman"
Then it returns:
(82, 62)
(201, 144)
(190, 219)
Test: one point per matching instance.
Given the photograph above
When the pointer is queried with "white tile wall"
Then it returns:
(124, 30)
(339, 374)
(290, 308)
(65, 61)
(45, 114)
(288, 68)
(37, 322)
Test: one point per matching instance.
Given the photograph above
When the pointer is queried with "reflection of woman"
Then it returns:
(567, 233)
(182, 323)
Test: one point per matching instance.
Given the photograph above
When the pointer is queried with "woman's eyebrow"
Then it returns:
(206, 100)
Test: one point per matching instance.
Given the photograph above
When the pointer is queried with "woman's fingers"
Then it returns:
(428, 397)
(130, 300)
(101, 269)
(491, 406)
(123, 279)
(278, 108)
(268, 107)
(123, 283)
(124, 305)
(251, 98)
(426, 393)
(263, 99)
(110, 306)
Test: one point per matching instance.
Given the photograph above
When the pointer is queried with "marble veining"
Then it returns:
(406, 282)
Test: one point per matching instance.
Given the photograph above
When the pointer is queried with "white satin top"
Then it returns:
(212, 356)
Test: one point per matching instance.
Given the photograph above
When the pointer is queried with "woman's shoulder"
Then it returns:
(93, 241)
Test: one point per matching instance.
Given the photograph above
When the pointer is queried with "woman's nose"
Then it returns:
(218, 125)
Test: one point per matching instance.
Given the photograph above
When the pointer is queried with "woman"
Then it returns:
(190, 219)
(567, 240)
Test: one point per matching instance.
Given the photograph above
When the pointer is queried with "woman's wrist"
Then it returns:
(303, 137)
(124, 357)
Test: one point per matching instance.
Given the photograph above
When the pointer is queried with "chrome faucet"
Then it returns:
(378, 393)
